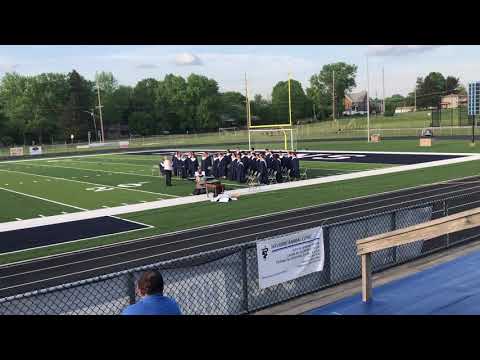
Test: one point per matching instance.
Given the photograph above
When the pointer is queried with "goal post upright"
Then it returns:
(283, 127)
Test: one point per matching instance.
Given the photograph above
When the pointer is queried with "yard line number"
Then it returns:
(124, 186)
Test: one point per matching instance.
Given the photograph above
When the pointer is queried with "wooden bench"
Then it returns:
(421, 232)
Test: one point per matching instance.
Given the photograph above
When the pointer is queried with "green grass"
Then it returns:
(22, 207)
(102, 181)
(193, 215)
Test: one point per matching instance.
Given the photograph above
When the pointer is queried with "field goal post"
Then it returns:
(286, 132)
(284, 128)
(226, 130)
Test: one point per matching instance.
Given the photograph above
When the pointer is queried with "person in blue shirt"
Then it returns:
(152, 302)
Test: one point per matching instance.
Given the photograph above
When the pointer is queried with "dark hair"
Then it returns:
(151, 282)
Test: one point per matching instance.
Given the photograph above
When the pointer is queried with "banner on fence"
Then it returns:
(35, 150)
(123, 144)
(17, 151)
(285, 258)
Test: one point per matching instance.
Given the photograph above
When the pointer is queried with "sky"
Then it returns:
(265, 65)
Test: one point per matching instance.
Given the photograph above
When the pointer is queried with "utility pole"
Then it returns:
(415, 99)
(333, 96)
(100, 109)
(314, 114)
(247, 103)
(368, 104)
(383, 86)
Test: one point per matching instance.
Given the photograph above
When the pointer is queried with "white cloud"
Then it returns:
(187, 59)
(398, 50)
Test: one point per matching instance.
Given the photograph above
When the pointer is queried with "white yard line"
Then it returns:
(107, 163)
(87, 182)
(40, 198)
(97, 170)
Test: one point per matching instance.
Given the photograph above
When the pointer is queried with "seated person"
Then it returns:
(199, 182)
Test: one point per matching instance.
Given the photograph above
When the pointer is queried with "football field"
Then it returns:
(59, 205)
(45, 187)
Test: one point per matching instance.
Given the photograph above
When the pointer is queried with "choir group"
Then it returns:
(238, 165)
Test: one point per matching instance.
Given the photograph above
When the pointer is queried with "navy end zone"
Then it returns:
(24, 239)
(366, 158)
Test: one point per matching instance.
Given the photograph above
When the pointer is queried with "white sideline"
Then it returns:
(119, 210)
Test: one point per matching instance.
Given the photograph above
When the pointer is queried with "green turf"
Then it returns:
(192, 215)
(23, 207)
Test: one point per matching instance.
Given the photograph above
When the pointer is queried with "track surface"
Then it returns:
(42, 273)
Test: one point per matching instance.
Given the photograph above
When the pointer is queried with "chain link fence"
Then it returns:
(225, 281)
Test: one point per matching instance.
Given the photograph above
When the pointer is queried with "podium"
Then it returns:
(215, 188)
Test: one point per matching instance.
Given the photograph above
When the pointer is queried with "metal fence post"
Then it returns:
(445, 213)
(243, 254)
(131, 288)
(326, 249)
(394, 227)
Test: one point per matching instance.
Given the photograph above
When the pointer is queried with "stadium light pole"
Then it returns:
(368, 104)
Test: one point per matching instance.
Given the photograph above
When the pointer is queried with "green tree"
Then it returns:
(171, 103)
(107, 83)
(262, 110)
(321, 87)
(300, 103)
(141, 123)
(81, 98)
(118, 106)
(430, 90)
(233, 108)
(452, 85)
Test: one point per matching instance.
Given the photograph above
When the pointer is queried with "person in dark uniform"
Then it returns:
(295, 166)
(240, 170)
(233, 168)
(206, 163)
(175, 164)
(288, 161)
(245, 160)
(215, 165)
(193, 164)
(222, 166)
(187, 166)
(276, 166)
(183, 166)
(268, 158)
(262, 166)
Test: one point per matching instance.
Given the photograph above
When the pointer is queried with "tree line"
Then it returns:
(51, 107)
(428, 93)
